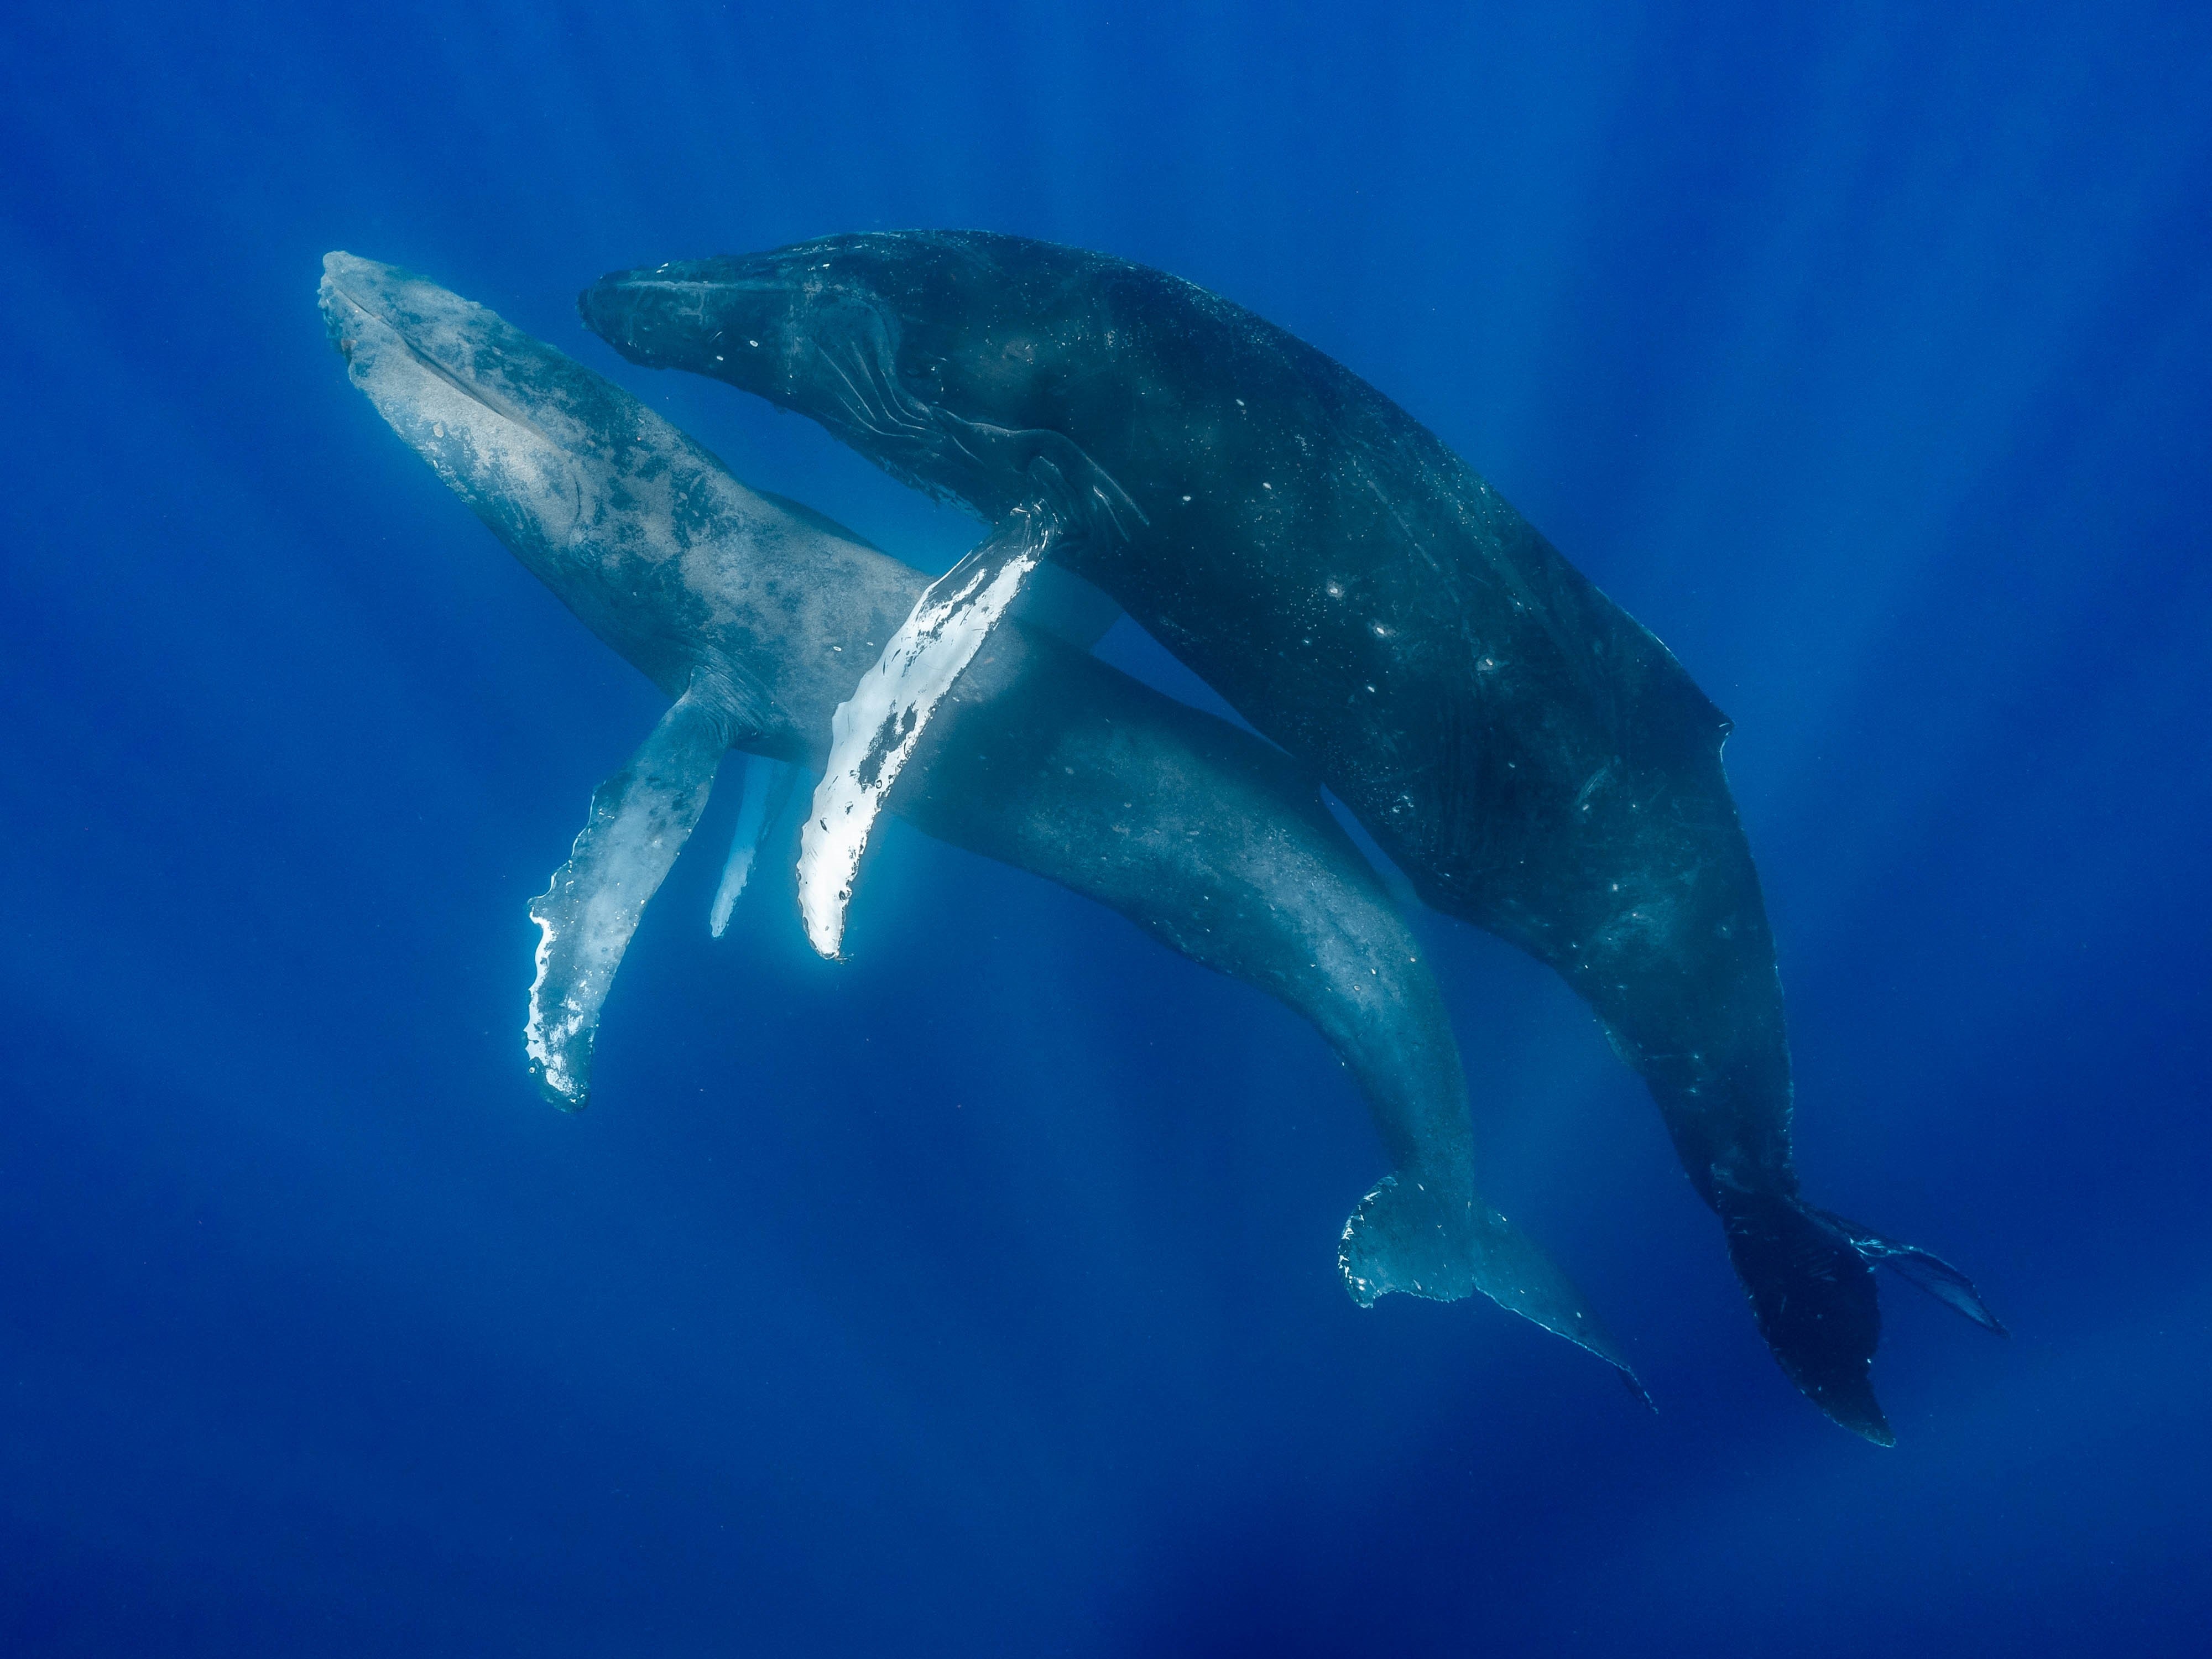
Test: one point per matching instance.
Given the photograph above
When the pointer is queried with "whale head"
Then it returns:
(600, 497)
(477, 399)
(917, 348)
(809, 328)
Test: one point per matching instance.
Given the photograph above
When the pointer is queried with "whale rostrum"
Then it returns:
(757, 618)
(1533, 760)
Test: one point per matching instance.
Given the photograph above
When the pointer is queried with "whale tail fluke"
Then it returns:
(1408, 1237)
(1810, 1276)
(1918, 1266)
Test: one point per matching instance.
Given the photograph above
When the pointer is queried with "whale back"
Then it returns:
(1335, 571)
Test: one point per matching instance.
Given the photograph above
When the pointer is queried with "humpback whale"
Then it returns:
(755, 616)
(1537, 761)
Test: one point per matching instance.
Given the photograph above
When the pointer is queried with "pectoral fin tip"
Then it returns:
(639, 822)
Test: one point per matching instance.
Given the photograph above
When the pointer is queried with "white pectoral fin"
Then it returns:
(767, 786)
(875, 729)
(641, 817)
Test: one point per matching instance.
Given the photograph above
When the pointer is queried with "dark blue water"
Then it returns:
(978, 1295)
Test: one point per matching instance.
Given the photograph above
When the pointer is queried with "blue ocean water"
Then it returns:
(978, 1295)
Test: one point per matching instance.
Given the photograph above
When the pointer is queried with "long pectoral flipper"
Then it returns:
(767, 786)
(876, 729)
(640, 818)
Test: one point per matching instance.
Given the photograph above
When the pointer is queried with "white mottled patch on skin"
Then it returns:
(547, 1039)
(876, 729)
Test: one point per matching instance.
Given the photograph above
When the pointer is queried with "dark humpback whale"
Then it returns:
(1537, 763)
(755, 616)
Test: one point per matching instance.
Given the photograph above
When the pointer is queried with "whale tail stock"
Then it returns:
(1810, 1276)
(1406, 1236)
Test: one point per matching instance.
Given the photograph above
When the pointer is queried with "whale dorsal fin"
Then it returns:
(640, 818)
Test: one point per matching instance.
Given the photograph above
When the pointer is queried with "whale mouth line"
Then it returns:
(696, 285)
(377, 317)
(336, 294)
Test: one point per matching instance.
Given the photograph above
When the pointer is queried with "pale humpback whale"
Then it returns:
(756, 616)
(1535, 761)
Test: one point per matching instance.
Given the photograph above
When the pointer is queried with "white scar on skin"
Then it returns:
(875, 730)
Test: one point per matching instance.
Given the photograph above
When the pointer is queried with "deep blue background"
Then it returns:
(979, 1296)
